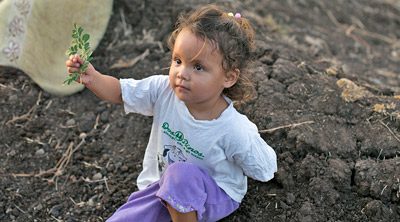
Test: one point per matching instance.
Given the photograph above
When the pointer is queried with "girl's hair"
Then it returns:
(232, 36)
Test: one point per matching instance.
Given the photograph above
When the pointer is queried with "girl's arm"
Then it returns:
(105, 87)
(260, 162)
(257, 159)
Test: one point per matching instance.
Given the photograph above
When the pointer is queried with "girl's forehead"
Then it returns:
(189, 43)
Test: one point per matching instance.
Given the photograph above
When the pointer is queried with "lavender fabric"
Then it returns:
(186, 188)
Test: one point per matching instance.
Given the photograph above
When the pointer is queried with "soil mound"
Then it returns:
(328, 84)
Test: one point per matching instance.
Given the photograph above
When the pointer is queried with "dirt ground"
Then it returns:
(328, 83)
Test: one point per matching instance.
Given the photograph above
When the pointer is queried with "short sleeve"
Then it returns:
(140, 96)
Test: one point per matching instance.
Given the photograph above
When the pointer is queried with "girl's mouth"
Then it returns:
(181, 87)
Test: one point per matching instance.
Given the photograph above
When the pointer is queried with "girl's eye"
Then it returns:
(198, 67)
(177, 61)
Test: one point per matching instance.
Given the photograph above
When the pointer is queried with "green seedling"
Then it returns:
(79, 45)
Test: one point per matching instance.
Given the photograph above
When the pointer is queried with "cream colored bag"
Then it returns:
(35, 34)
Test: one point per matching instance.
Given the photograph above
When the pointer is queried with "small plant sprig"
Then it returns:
(79, 45)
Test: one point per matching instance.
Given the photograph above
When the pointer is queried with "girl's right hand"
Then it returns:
(73, 64)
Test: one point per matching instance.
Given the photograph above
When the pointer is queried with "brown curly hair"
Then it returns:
(233, 37)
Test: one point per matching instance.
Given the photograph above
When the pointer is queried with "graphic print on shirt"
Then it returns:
(171, 154)
(181, 142)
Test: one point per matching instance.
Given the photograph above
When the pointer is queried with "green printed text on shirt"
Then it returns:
(181, 140)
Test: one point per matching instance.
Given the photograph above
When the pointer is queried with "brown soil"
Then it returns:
(76, 158)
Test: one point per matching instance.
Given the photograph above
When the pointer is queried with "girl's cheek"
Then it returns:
(172, 70)
(171, 74)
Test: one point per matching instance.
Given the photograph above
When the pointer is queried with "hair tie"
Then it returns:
(237, 15)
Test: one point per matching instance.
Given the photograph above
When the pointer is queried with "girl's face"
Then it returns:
(196, 74)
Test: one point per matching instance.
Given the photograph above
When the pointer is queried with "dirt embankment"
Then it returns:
(327, 77)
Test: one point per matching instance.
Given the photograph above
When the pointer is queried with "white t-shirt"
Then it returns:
(229, 147)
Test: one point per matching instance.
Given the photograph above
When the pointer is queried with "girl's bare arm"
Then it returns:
(104, 86)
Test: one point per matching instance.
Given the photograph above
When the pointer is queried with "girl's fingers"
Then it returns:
(70, 63)
(80, 61)
(77, 59)
(73, 63)
(71, 70)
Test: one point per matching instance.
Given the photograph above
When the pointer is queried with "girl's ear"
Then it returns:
(231, 78)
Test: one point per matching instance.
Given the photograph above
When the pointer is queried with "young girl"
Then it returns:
(201, 149)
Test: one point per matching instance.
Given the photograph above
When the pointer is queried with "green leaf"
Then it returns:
(79, 45)
(85, 37)
(80, 30)
(71, 78)
(84, 67)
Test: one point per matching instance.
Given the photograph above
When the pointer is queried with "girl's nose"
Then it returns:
(184, 74)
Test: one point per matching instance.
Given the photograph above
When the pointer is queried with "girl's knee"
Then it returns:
(177, 216)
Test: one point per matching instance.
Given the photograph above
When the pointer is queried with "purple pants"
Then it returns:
(185, 187)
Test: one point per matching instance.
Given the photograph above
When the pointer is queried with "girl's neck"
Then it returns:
(208, 111)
